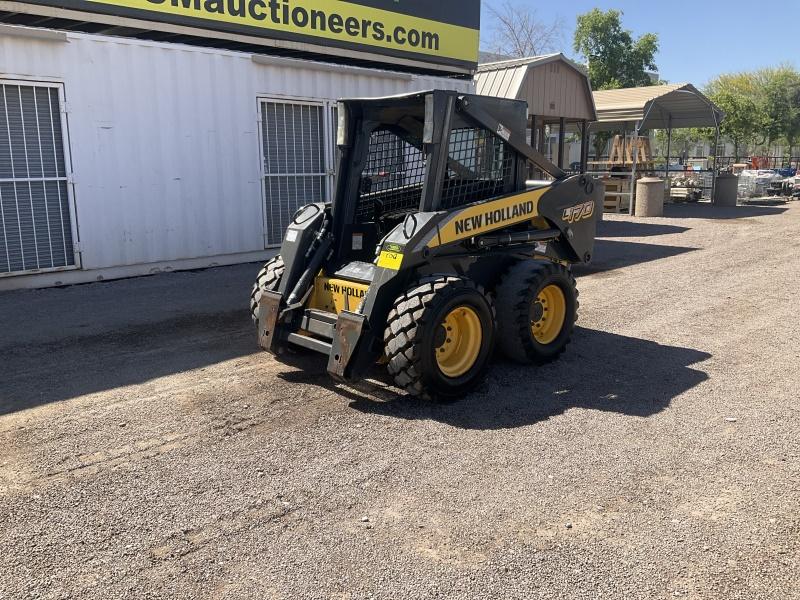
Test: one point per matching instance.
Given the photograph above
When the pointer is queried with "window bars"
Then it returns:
(479, 166)
(35, 227)
(294, 162)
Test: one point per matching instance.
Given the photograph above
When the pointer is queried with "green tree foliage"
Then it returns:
(761, 108)
(682, 140)
(614, 57)
(780, 98)
(738, 95)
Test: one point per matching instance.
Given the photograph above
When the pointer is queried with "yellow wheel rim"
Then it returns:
(459, 338)
(548, 313)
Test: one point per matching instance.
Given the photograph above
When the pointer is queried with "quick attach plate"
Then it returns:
(268, 309)
(348, 330)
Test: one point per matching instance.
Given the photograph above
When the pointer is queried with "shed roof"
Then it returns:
(548, 94)
(655, 107)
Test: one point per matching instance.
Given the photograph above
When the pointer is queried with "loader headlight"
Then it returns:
(342, 133)
(306, 213)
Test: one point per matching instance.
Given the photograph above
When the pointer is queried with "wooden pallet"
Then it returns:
(683, 194)
(617, 196)
(626, 152)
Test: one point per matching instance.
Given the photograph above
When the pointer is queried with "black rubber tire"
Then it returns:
(411, 329)
(517, 292)
(268, 279)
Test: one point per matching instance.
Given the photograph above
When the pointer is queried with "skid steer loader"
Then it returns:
(434, 248)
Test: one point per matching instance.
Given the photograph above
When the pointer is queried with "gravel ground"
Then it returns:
(148, 451)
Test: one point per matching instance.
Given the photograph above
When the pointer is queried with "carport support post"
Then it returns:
(714, 172)
(634, 157)
(531, 173)
(561, 143)
(584, 146)
(542, 138)
(669, 145)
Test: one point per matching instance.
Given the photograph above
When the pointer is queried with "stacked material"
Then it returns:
(754, 183)
(685, 188)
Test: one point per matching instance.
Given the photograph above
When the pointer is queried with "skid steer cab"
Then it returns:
(435, 248)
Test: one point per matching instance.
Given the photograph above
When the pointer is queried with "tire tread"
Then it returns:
(513, 328)
(268, 279)
(406, 323)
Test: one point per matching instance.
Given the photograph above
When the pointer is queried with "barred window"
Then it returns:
(479, 165)
(35, 221)
(391, 183)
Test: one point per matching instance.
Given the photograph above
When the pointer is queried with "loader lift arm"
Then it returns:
(513, 138)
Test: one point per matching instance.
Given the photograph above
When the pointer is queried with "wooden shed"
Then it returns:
(557, 91)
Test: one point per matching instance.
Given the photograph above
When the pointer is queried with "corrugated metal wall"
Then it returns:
(164, 139)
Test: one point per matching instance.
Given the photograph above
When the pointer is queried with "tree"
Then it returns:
(614, 58)
(740, 97)
(517, 32)
(780, 97)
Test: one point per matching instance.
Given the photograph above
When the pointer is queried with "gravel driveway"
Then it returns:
(148, 451)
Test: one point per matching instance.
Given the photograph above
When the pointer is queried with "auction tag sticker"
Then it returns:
(391, 256)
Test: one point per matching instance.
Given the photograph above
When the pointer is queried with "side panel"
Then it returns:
(571, 205)
(488, 216)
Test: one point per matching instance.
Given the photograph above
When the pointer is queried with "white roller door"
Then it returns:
(36, 226)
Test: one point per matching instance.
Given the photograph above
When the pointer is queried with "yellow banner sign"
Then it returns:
(317, 21)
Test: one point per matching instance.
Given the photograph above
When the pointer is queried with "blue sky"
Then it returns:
(698, 39)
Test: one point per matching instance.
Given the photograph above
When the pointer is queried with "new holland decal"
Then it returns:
(501, 215)
(348, 290)
(483, 218)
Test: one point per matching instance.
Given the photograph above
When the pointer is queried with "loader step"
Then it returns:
(310, 343)
(319, 323)
(362, 272)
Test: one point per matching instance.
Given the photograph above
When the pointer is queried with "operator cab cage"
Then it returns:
(423, 152)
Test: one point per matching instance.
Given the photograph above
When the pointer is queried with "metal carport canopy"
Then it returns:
(675, 106)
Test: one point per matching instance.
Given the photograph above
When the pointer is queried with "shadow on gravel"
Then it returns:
(612, 254)
(705, 210)
(599, 371)
(37, 374)
(635, 229)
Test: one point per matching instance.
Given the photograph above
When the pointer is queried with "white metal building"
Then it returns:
(126, 156)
